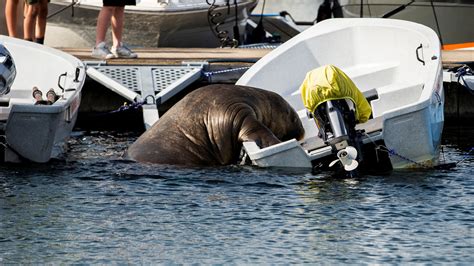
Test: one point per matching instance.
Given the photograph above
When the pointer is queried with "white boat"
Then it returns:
(396, 64)
(37, 132)
(151, 23)
(450, 19)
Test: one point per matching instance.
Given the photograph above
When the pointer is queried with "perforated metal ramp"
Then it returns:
(152, 84)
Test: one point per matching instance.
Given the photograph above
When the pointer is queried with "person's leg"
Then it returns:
(117, 25)
(31, 12)
(118, 48)
(41, 21)
(103, 22)
(100, 49)
(11, 7)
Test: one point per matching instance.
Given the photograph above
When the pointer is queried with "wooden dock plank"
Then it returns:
(455, 57)
(178, 55)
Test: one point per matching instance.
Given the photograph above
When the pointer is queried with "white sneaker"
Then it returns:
(123, 52)
(101, 51)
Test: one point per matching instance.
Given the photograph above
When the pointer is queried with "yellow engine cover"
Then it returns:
(330, 83)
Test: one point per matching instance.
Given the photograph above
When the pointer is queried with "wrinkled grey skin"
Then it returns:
(208, 126)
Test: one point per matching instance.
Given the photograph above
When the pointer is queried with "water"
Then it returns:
(91, 207)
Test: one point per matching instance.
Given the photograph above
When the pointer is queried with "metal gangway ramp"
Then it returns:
(149, 85)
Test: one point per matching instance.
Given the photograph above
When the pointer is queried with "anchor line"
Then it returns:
(384, 148)
(443, 166)
(466, 155)
(393, 152)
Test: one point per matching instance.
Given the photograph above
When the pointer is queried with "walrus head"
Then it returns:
(265, 117)
(283, 120)
(275, 120)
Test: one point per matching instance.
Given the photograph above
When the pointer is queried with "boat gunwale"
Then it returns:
(72, 92)
(422, 102)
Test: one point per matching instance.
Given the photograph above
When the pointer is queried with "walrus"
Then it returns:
(207, 127)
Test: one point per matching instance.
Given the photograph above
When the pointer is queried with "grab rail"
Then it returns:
(59, 81)
(417, 54)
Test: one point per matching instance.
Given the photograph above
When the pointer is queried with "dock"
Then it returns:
(173, 56)
(165, 73)
(97, 99)
(452, 58)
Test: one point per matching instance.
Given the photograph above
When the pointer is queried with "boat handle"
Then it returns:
(418, 55)
(59, 81)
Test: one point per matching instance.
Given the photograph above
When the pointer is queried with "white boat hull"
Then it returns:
(146, 25)
(398, 60)
(450, 19)
(32, 132)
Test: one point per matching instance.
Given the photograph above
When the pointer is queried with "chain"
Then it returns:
(393, 152)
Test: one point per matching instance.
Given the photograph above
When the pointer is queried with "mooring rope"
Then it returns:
(133, 106)
(466, 155)
(209, 74)
(462, 71)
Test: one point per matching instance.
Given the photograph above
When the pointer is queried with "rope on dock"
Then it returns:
(134, 105)
(462, 71)
(209, 74)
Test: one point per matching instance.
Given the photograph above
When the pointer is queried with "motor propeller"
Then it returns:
(347, 157)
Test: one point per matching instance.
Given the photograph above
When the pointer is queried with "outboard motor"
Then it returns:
(336, 122)
(337, 105)
(7, 70)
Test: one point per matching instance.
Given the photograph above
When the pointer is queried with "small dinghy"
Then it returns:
(394, 64)
(38, 112)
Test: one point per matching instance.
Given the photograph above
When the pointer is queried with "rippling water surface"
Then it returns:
(92, 207)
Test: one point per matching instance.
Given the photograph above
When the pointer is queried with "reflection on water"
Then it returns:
(93, 207)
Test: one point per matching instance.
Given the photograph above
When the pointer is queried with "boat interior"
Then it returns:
(390, 67)
(47, 70)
